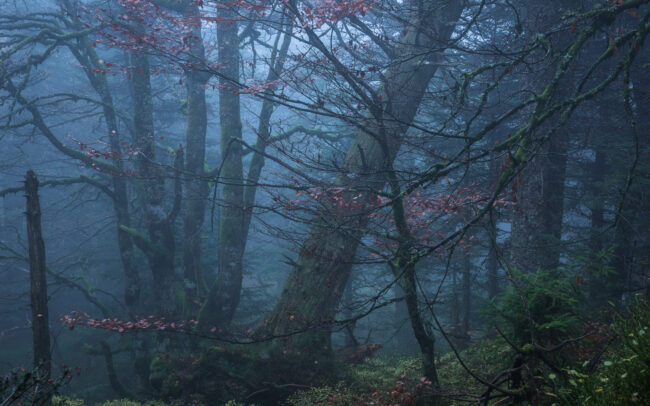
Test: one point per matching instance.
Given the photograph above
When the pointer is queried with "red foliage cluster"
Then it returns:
(427, 214)
(329, 11)
(149, 323)
(131, 151)
(404, 392)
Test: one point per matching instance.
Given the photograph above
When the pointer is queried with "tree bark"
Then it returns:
(159, 244)
(38, 282)
(467, 299)
(88, 58)
(196, 186)
(404, 339)
(276, 67)
(223, 298)
(313, 290)
(492, 273)
(598, 171)
(537, 224)
(224, 294)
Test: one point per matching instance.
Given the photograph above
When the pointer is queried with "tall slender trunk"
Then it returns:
(492, 260)
(404, 268)
(454, 314)
(88, 58)
(196, 187)
(404, 339)
(38, 282)
(227, 287)
(324, 259)
(537, 224)
(597, 217)
(492, 273)
(467, 299)
(223, 298)
(158, 246)
(278, 58)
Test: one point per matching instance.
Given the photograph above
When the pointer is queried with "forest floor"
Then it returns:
(614, 373)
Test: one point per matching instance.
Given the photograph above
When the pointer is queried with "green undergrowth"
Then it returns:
(394, 380)
(64, 401)
(611, 367)
(622, 374)
(485, 358)
(378, 381)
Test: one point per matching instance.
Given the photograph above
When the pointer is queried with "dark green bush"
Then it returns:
(622, 376)
(543, 305)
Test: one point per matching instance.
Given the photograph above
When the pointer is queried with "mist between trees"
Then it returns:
(324, 202)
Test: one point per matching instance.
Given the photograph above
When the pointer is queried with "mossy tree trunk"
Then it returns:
(224, 294)
(158, 245)
(196, 186)
(238, 195)
(88, 59)
(312, 292)
(132, 283)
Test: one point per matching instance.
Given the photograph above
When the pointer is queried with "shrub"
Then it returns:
(544, 304)
(622, 377)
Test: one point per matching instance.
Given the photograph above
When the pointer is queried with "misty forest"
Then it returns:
(324, 202)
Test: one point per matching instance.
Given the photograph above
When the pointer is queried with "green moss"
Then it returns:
(126, 402)
(527, 348)
(64, 401)
(159, 369)
(487, 357)
(340, 395)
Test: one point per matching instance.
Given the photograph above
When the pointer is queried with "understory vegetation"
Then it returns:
(609, 367)
(598, 363)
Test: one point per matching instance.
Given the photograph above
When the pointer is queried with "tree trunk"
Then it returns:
(492, 273)
(229, 278)
(38, 282)
(425, 338)
(467, 299)
(596, 286)
(537, 224)
(313, 290)
(404, 269)
(158, 246)
(88, 58)
(223, 298)
(404, 339)
(278, 58)
(196, 187)
(454, 315)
